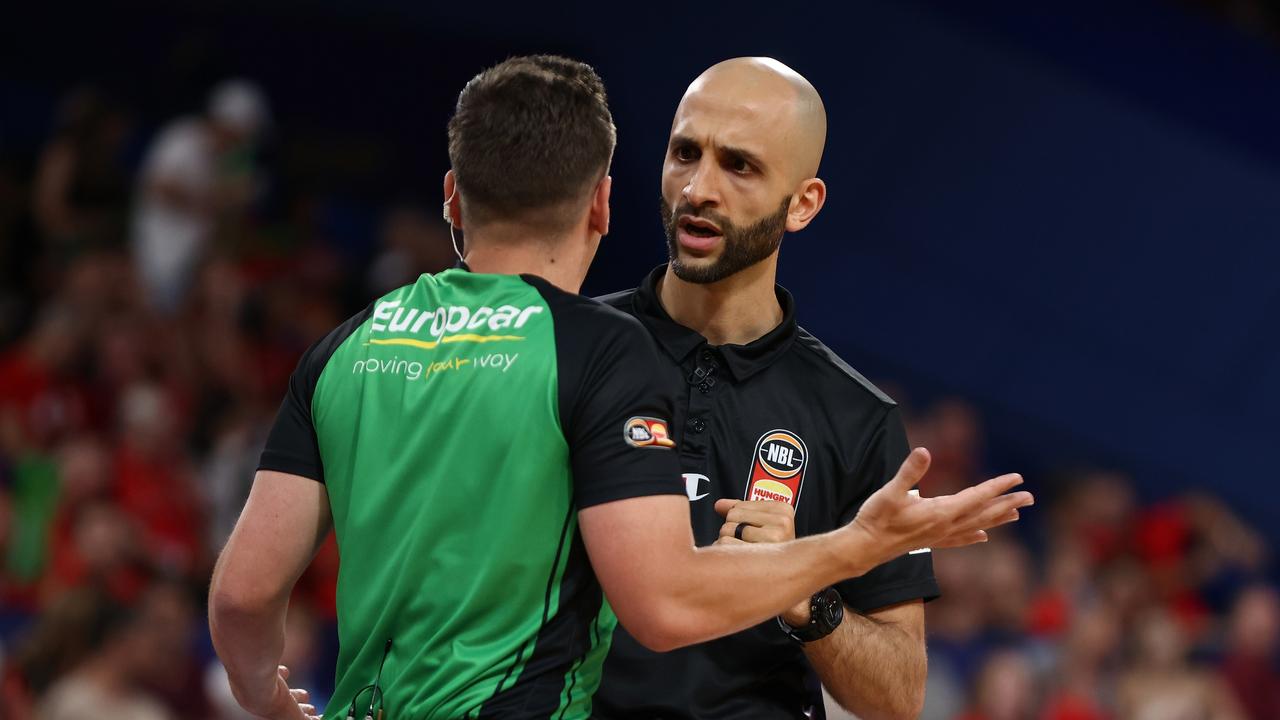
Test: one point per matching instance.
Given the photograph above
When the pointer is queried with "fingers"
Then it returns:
(729, 540)
(972, 501)
(761, 520)
(992, 488)
(912, 470)
(762, 514)
(749, 533)
(770, 530)
(972, 537)
(1000, 510)
(283, 672)
(300, 695)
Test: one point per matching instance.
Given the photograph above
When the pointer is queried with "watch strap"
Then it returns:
(820, 624)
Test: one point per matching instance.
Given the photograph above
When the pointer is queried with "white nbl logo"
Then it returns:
(780, 454)
(692, 482)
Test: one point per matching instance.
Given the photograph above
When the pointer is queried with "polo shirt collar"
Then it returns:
(679, 342)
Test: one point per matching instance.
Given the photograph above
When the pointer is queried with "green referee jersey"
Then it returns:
(459, 424)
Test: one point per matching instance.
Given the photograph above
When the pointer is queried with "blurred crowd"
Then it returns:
(152, 305)
(1097, 606)
(151, 311)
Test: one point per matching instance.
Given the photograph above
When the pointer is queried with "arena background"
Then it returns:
(1051, 234)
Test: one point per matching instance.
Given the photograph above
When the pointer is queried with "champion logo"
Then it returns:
(693, 483)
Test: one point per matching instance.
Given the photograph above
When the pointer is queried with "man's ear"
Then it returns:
(598, 219)
(452, 208)
(805, 204)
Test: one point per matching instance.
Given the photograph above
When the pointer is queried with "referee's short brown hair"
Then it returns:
(529, 140)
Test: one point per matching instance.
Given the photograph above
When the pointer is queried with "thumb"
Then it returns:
(283, 672)
(912, 470)
(724, 505)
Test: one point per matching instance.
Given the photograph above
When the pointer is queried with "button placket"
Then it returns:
(703, 381)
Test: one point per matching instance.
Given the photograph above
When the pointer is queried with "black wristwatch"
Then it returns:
(826, 610)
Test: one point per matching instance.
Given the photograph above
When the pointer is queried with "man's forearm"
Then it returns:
(669, 594)
(876, 669)
(726, 589)
(250, 642)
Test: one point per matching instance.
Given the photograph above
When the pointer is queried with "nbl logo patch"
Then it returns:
(647, 432)
(777, 470)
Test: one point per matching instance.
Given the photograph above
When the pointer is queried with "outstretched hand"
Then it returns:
(896, 520)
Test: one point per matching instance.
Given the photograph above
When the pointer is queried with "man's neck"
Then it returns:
(555, 260)
(734, 311)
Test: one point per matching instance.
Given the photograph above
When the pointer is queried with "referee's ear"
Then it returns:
(805, 204)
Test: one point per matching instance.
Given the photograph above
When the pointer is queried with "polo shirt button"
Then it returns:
(697, 425)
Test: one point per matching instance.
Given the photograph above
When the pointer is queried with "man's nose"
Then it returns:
(703, 187)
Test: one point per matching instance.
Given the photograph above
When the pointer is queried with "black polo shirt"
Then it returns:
(781, 418)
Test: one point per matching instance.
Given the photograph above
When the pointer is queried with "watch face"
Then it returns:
(832, 608)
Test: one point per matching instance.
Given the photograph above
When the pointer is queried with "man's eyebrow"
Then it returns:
(741, 153)
(681, 141)
(724, 151)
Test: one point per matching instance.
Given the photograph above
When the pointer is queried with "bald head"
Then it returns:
(761, 85)
(741, 168)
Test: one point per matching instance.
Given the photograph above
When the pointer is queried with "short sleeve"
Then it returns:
(909, 577)
(615, 409)
(619, 431)
(292, 446)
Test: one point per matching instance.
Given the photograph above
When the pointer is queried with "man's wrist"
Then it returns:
(826, 611)
(798, 615)
(255, 694)
(858, 549)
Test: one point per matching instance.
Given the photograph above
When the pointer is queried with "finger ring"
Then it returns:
(737, 532)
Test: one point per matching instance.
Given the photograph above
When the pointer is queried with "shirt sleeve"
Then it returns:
(291, 445)
(617, 413)
(909, 577)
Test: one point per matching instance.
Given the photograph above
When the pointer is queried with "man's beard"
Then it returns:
(743, 246)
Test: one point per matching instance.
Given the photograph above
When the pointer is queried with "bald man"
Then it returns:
(777, 436)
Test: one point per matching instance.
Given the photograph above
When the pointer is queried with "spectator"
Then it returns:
(1162, 684)
(1081, 687)
(81, 188)
(41, 397)
(1252, 641)
(62, 638)
(1005, 689)
(198, 172)
(108, 683)
(413, 242)
(155, 483)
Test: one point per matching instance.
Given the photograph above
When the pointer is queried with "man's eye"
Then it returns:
(739, 165)
(685, 154)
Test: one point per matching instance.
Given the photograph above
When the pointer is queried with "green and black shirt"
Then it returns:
(459, 425)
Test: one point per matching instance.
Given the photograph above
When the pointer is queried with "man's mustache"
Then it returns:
(685, 208)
